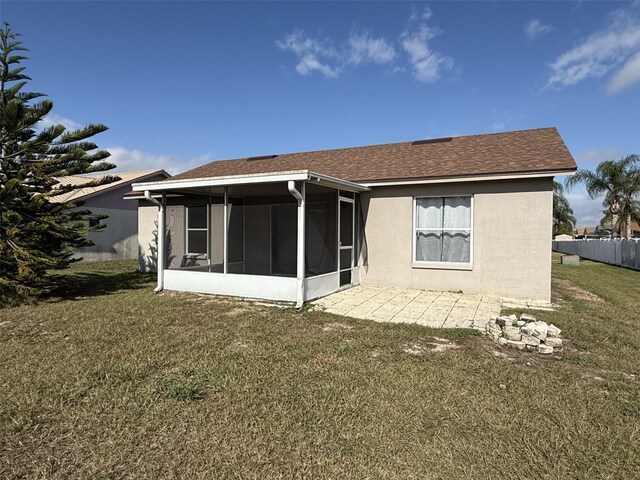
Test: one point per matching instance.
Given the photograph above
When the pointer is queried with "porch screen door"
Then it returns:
(346, 237)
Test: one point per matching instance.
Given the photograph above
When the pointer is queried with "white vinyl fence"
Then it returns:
(622, 252)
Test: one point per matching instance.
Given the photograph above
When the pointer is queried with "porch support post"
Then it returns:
(161, 236)
(225, 235)
(300, 197)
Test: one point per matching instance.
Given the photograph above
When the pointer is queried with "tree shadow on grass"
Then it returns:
(86, 284)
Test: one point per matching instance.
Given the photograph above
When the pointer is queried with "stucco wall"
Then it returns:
(511, 239)
(118, 241)
(147, 230)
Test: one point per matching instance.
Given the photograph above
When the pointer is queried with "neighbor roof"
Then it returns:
(83, 193)
(525, 151)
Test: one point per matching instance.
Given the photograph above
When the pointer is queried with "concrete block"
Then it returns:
(545, 349)
(504, 321)
(516, 344)
(573, 260)
(540, 331)
(553, 331)
(530, 340)
(512, 333)
(553, 342)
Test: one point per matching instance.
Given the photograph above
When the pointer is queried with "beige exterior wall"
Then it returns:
(147, 231)
(512, 222)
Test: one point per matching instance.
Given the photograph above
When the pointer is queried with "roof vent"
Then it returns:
(432, 140)
(262, 157)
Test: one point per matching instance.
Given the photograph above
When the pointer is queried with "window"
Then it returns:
(443, 229)
(197, 229)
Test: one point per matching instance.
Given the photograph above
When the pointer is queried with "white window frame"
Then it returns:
(201, 255)
(440, 264)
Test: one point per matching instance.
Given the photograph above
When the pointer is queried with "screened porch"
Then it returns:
(285, 237)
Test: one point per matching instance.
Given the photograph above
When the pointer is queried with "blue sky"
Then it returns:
(183, 83)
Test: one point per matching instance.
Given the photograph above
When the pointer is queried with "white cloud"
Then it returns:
(52, 119)
(363, 48)
(309, 50)
(135, 160)
(425, 14)
(321, 55)
(588, 211)
(427, 64)
(534, 28)
(299, 43)
(591, 158)
(601, 52)
(497, 126)
(331, 59)
(626, 76)
(309, 63)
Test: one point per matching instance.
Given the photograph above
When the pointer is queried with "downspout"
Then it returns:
(160, 241)
(291, 185)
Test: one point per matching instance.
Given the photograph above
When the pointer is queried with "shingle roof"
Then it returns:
(524, 151)
(81, 193)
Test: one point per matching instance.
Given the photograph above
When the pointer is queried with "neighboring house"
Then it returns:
(119, 240)
(471, 213)
(580, 232)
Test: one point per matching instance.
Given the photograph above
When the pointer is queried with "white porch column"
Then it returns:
(300, 270)
(160, 243)
(225, 234)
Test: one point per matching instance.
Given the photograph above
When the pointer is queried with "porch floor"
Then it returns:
(406, 305)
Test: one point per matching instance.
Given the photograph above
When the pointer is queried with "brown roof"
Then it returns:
(525, 151)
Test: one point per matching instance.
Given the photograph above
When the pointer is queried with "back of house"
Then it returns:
(470, 213)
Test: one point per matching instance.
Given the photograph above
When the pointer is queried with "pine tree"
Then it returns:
(37, 235)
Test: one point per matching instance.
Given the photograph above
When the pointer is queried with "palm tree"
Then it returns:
(563, 219)
(619, 182)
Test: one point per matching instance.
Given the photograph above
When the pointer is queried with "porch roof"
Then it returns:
(256, 178)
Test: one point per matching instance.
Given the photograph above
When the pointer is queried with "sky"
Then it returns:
(180, 84)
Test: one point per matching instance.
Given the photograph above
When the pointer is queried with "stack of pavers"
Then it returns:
(525, 332)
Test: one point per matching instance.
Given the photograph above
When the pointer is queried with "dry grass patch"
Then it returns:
(567, 289)
(336, 326)
(112, 381)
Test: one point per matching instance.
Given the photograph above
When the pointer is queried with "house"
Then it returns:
(119, 240)
(469, 213)
(580, 232)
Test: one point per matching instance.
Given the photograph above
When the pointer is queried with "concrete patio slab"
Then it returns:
(406, 305)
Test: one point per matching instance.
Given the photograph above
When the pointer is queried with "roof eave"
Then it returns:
(468, 178)
(257, 178)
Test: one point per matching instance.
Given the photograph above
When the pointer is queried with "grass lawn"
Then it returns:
(111, 381)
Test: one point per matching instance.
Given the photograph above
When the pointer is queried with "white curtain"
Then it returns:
(429, 214)
(451, 242)
(456, 247)
(428, 246)
(457, 212)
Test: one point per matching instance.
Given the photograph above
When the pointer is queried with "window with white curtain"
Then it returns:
(197, 230)
(443, 229)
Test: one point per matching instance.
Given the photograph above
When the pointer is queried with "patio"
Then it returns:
(406, 305)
